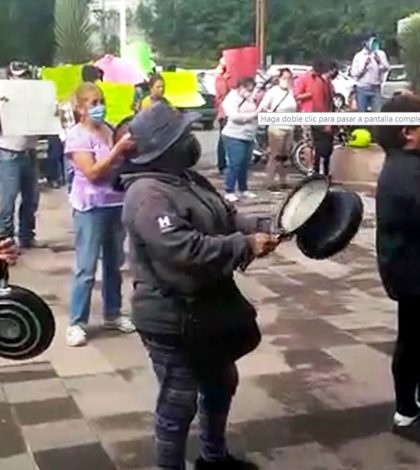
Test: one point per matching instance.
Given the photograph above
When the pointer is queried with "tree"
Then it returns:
(409, 39)
(22, 21)
(297, 29)
(73, 31)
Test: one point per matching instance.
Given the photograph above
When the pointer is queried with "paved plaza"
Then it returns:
(316, 395)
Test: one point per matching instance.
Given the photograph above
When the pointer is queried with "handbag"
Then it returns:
(219, 326)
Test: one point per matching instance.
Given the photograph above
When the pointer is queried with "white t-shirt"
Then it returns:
(241, 122)
(17, 143)
(279, 100)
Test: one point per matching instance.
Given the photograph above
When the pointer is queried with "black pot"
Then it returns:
(324, 221)
(27, 325)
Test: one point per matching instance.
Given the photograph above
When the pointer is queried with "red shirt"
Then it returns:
(321, 90)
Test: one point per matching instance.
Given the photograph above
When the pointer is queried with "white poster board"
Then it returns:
(28, 107)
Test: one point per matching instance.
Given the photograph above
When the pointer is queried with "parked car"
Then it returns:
(395, 81)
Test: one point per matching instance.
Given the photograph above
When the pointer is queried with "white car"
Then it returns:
(395, 81)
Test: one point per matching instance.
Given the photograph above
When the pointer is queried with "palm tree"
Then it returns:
(409, 40)
(73, 31)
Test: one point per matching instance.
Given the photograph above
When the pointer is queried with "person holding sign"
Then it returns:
(96, 214)
(18, 175)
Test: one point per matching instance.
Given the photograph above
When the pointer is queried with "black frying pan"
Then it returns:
(27, 325)
(324, 221)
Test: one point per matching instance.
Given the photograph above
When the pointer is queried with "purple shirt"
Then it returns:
(85, 195)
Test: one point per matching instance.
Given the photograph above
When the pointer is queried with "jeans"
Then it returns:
(55, 160)
(221, 153)
(405, 366)
(324, 146)
(180, 397)
(368, 99)
(98, 231)
(238, 154)
(18, 174)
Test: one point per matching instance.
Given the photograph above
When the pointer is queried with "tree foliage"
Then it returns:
(409, 39)
(26, 31)
(73, 32)
(297, 29)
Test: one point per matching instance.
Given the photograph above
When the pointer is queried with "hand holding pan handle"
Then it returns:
(27, 325)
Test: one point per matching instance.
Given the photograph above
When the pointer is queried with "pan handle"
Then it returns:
(4, 269)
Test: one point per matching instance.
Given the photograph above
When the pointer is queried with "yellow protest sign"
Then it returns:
(118, 98)
(66, 78)
(181, 89)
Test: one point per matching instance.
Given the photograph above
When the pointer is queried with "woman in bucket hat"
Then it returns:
(185, 244)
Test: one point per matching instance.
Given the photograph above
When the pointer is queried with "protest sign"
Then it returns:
(66, 78)
(118, 99)
(28, 108)
(181, 89)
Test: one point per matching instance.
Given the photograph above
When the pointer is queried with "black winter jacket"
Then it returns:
(398, 223)
(183, 238)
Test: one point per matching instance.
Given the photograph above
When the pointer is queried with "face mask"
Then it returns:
(97, 113)
(373, 45)
(284, 84)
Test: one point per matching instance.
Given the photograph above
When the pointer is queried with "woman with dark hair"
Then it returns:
(279, 99)
(156, 92)
(398, 251)
(238, 137)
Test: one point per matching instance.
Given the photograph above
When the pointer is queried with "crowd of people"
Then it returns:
(186, 240)
(238, 107)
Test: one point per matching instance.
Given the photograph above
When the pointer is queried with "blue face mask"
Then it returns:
(97, 113)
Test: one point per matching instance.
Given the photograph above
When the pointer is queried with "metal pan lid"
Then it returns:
(302, 203)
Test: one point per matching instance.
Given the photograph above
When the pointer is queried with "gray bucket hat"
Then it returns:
(156, 129)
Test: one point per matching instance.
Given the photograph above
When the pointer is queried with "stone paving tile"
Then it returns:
(81, 457)
(302, 457)
(103, 395)
(34, 390)
(383, 451)
(18, 462)
(57, 435)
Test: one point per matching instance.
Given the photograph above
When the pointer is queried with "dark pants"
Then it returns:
(180, 397)
(239, 154)
(221, 153)
(55, 160)
(406, 363)
(323, 145)
(18, 175)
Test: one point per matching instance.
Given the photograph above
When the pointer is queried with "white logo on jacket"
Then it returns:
(165, 224)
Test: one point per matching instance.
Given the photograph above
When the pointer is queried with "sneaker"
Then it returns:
(231, 197)
(405, 421)
(407, 427)
(76, 336)
(122, 323)
(249, 195)
(229, 463)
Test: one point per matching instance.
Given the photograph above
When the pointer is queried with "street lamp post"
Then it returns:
(123, 27)
(260, 28)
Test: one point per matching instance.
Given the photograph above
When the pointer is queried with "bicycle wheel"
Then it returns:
(303, 157)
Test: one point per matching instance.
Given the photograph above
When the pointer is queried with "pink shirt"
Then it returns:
(85, 195)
